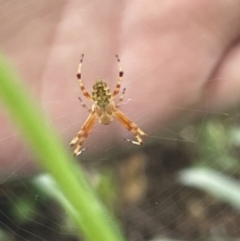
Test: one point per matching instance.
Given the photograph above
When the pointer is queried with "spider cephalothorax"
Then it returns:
(103, 109)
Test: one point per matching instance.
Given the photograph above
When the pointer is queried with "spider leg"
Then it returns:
(131, 126)
(83, 89)
(116, 91)
(84, 105)
(83, 133)
(121, 98)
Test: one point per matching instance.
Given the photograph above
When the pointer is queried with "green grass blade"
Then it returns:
(91, 216)
(216, 183)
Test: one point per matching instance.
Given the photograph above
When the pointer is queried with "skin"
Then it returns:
(177, 56)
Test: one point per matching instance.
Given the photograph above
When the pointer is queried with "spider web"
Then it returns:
(181, 185)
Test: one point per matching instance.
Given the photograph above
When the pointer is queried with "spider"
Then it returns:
(103, 109)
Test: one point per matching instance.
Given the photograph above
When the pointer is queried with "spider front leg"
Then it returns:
(121, 98)
(83, 133)
(131, 126)
(116, 91)
(79, 76)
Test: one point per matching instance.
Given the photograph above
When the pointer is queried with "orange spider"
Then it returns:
(103, 109)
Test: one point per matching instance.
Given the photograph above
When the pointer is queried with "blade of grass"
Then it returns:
(211, 181)
(91, 216)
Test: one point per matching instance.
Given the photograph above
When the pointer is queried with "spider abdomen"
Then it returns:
(101, 93)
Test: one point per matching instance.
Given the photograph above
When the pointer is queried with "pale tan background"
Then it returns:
(177, 55)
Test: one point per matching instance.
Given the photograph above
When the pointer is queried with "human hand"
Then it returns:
(177, 56)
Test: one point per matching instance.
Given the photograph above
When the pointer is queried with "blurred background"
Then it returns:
(183, 183)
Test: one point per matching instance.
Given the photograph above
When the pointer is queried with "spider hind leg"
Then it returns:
(83, 134)
(131, 126)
